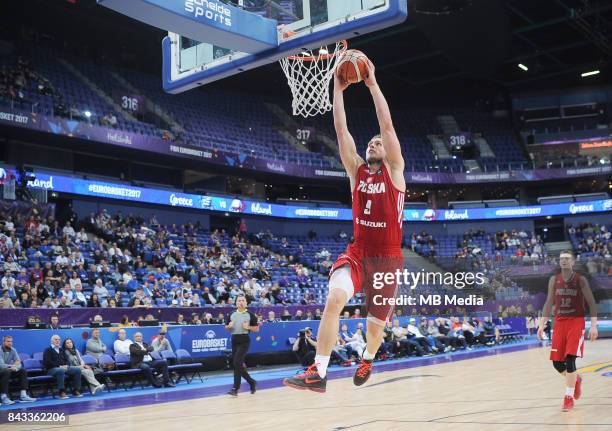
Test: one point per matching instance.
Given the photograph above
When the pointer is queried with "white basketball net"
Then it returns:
(308, 75)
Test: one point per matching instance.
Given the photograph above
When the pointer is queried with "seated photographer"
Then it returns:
(305, 347)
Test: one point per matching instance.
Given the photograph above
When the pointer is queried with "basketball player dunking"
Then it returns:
(377, 187)
(568, 290)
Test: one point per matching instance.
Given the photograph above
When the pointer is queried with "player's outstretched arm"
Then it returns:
(348, 151)
(590, 300)
(547, 307)
(387, 131)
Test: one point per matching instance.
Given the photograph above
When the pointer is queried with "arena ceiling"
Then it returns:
(477, 45)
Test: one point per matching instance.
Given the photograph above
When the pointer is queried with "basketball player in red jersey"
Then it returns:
(377, 187)
(568, 291)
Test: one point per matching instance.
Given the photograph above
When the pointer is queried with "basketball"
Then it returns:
(353, 66)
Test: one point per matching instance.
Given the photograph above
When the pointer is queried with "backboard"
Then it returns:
(298, 25)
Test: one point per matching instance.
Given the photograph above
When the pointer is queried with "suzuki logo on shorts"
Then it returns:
(211, 10)
(180, 201)
(371, 189)
(580, 208)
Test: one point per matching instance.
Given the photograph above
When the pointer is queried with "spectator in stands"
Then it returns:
(208, 319)
(415, 334)
(55, 365)
(353, 340)
(73, 359)
(81, 237)
(79, 296)
(208, 298)
(433, 331)
(305, 347)
(195, 319)
(75, 281)
(68, 231)
(318, 314)
(456, 338)
(298, 315)
(5, 300)
(93, 301)
(140, 358)
(357, 314)
(95, 346)
(285, 315)
(161, 342)
(122, 343)
(491, 329)
(402, 342)
(8, 281)
(67, 293)
(271, 317)
(11, 367)
(180, 319)
(469, 331)
(54, 322)
(341, 353)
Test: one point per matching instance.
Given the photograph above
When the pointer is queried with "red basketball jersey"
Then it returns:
(569, 300)
(378, 209)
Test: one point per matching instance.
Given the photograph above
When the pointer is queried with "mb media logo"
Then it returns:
(211, 10)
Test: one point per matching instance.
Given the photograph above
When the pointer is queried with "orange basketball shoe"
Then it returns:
(362, 373)
(309, 379)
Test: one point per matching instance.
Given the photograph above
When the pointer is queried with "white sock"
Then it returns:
(569, 392)
(23, 393)
(368, 356)
(322, 362)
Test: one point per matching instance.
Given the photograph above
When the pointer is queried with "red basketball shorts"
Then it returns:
(568, 338)
(369, 265)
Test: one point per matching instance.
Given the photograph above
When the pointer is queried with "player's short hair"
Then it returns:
(570, 252)
(375, 137)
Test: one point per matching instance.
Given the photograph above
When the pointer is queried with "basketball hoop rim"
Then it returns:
(308, 58)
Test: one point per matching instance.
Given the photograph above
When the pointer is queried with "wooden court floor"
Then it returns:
(510, 391)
